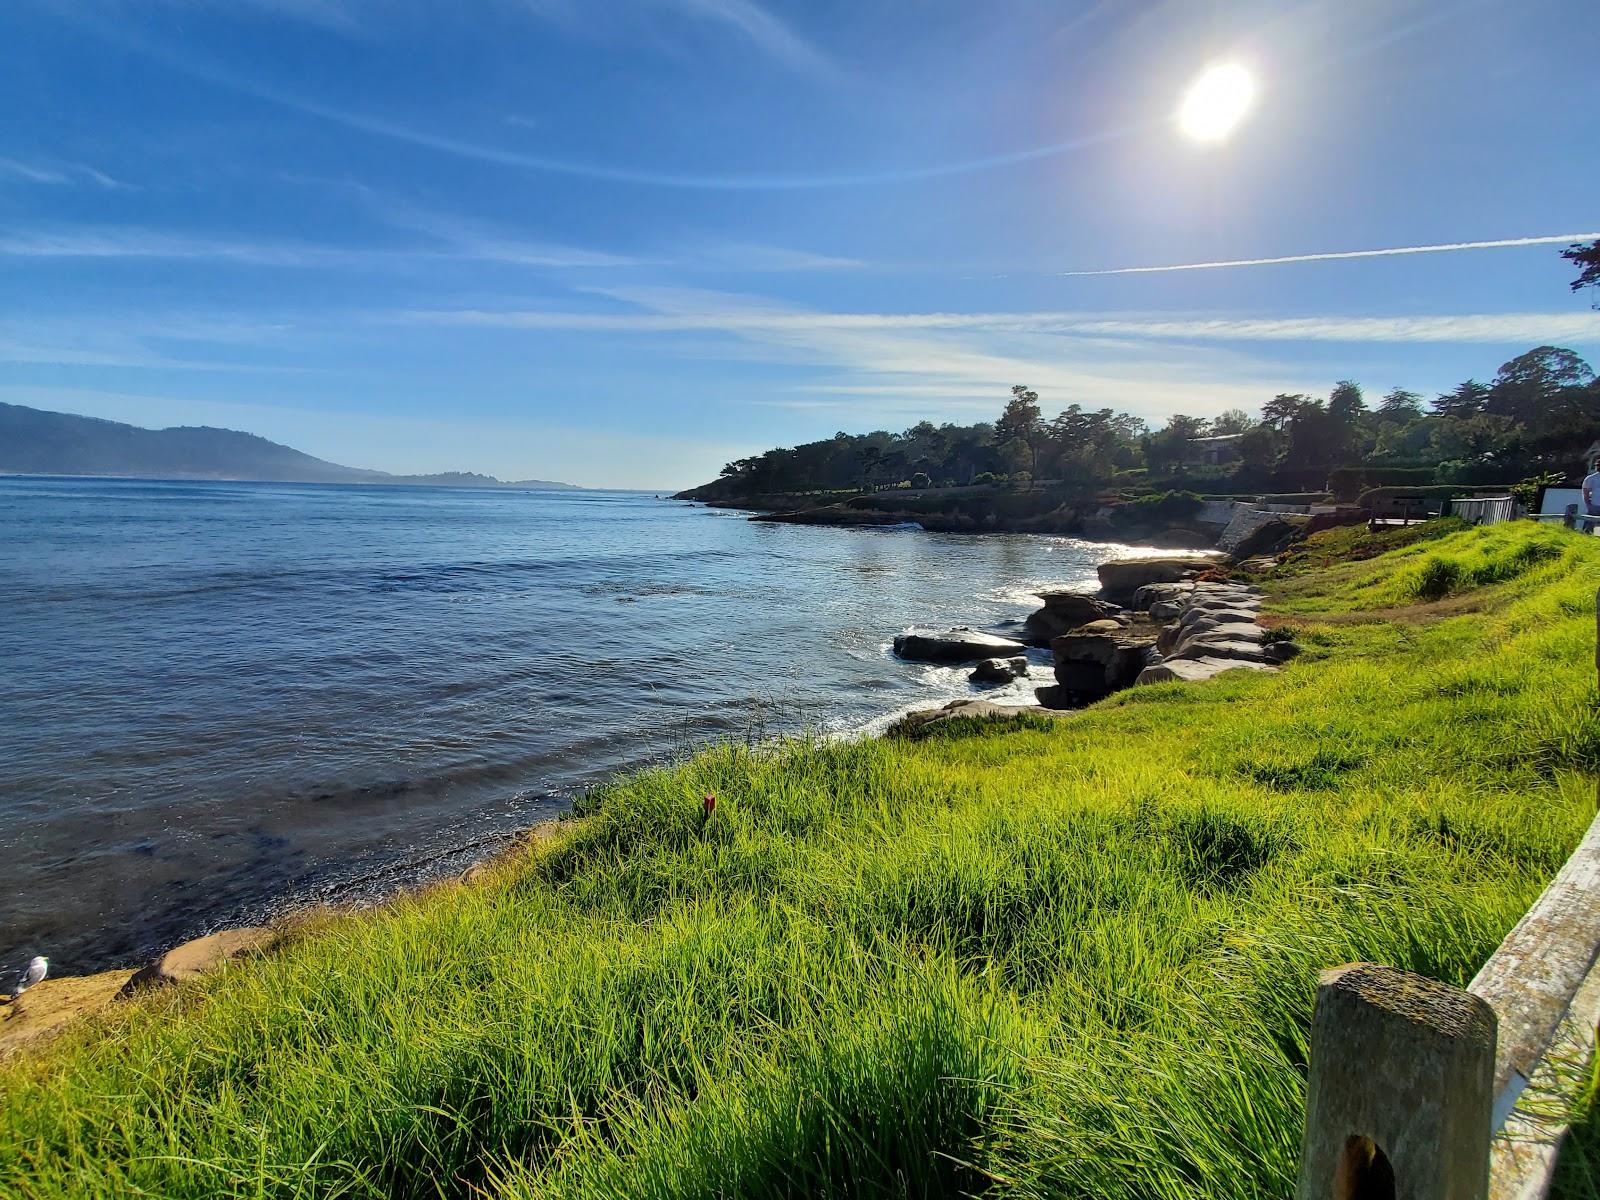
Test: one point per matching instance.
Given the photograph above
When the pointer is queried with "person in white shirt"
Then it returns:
(1591, 491)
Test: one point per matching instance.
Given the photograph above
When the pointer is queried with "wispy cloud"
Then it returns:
(120, 242)
(748, 256)
(957, 363)
(330, 14)
(443, 237)
(762, 29)
(56, 174)
(445, 244)
(756, 318)
(1330, 256)
(753, 23)
(929, 363)
(200, 67)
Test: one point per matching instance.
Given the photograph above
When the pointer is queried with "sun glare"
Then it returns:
(1216, 102)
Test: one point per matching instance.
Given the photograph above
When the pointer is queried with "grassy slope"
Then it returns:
(1075, 960)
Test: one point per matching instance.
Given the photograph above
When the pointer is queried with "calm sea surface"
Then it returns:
(217, 699)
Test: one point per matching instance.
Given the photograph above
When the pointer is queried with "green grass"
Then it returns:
(1064, 958)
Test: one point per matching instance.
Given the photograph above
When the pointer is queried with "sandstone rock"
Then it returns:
(1196, 670)
(1144, 598)
(45, 1009)
(1125, 577)
(193, 959)
(956, 645)
(1063, 612)
(1267, 538)
(1209, 647)
(1204, 633)
(1097, 664)
(999, 670)
(1057, 697)
(1106, 626)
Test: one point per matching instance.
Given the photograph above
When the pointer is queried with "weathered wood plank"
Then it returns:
(1533, 977)
(1523, 1155)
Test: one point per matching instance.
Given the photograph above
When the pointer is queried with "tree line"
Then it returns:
(1537, 416)
(1534, 419)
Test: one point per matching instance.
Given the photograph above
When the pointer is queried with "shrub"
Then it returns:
(920, 480)
(1346, 483)
(1439, 576)
(985, 477)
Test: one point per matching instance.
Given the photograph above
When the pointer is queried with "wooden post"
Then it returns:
(1401, 1089)
(1571, 518)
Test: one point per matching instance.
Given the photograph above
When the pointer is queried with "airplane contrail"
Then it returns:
(1441, 247)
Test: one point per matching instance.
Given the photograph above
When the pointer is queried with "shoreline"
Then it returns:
(416, 871)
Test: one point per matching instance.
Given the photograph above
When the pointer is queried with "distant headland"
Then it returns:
(36, 442)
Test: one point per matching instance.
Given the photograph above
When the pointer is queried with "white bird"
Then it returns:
(38, 968)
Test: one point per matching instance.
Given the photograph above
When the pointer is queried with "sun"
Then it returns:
(1216, 102)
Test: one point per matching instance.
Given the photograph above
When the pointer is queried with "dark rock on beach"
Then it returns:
(1095, 663)
(955, 645)
(999, 670)
(1120, 579)
(1062, 613)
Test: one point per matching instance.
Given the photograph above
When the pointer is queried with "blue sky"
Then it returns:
(620, 242)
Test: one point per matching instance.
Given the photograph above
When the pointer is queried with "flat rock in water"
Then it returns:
(956, 645)
(193, 959)
(45, 1009)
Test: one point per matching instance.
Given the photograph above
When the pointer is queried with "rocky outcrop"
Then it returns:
(45, 1009)
(1269, 537)
(1095, 663)
(195, 958)
(1062, 613)
(1120, 579)
(955, 645)
(1209, 627)
(1195, 670)
(999, 670)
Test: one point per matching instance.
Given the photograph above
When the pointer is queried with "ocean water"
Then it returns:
(220, 699)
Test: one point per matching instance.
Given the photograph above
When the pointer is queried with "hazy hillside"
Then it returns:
(35, 442)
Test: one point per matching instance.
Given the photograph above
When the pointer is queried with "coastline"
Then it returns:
(420, 871)
(871, 924)
(425, 864)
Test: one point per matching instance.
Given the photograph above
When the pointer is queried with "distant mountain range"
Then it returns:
(36, 442)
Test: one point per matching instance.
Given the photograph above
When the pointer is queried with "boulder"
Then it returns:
(1057, 697)
(1196, 670)
(1151, 594)
(999, 670)
(45, 1009)
(955, 645)
(1267, 538)
(1209, 647)
(1124, 577)
(1109, 625)
(193, 959)
(1097, 664)
(1280, 651)
(1206, 633)
(1063, 612)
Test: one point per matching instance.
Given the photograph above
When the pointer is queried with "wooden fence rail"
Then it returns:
(1414, 1085)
